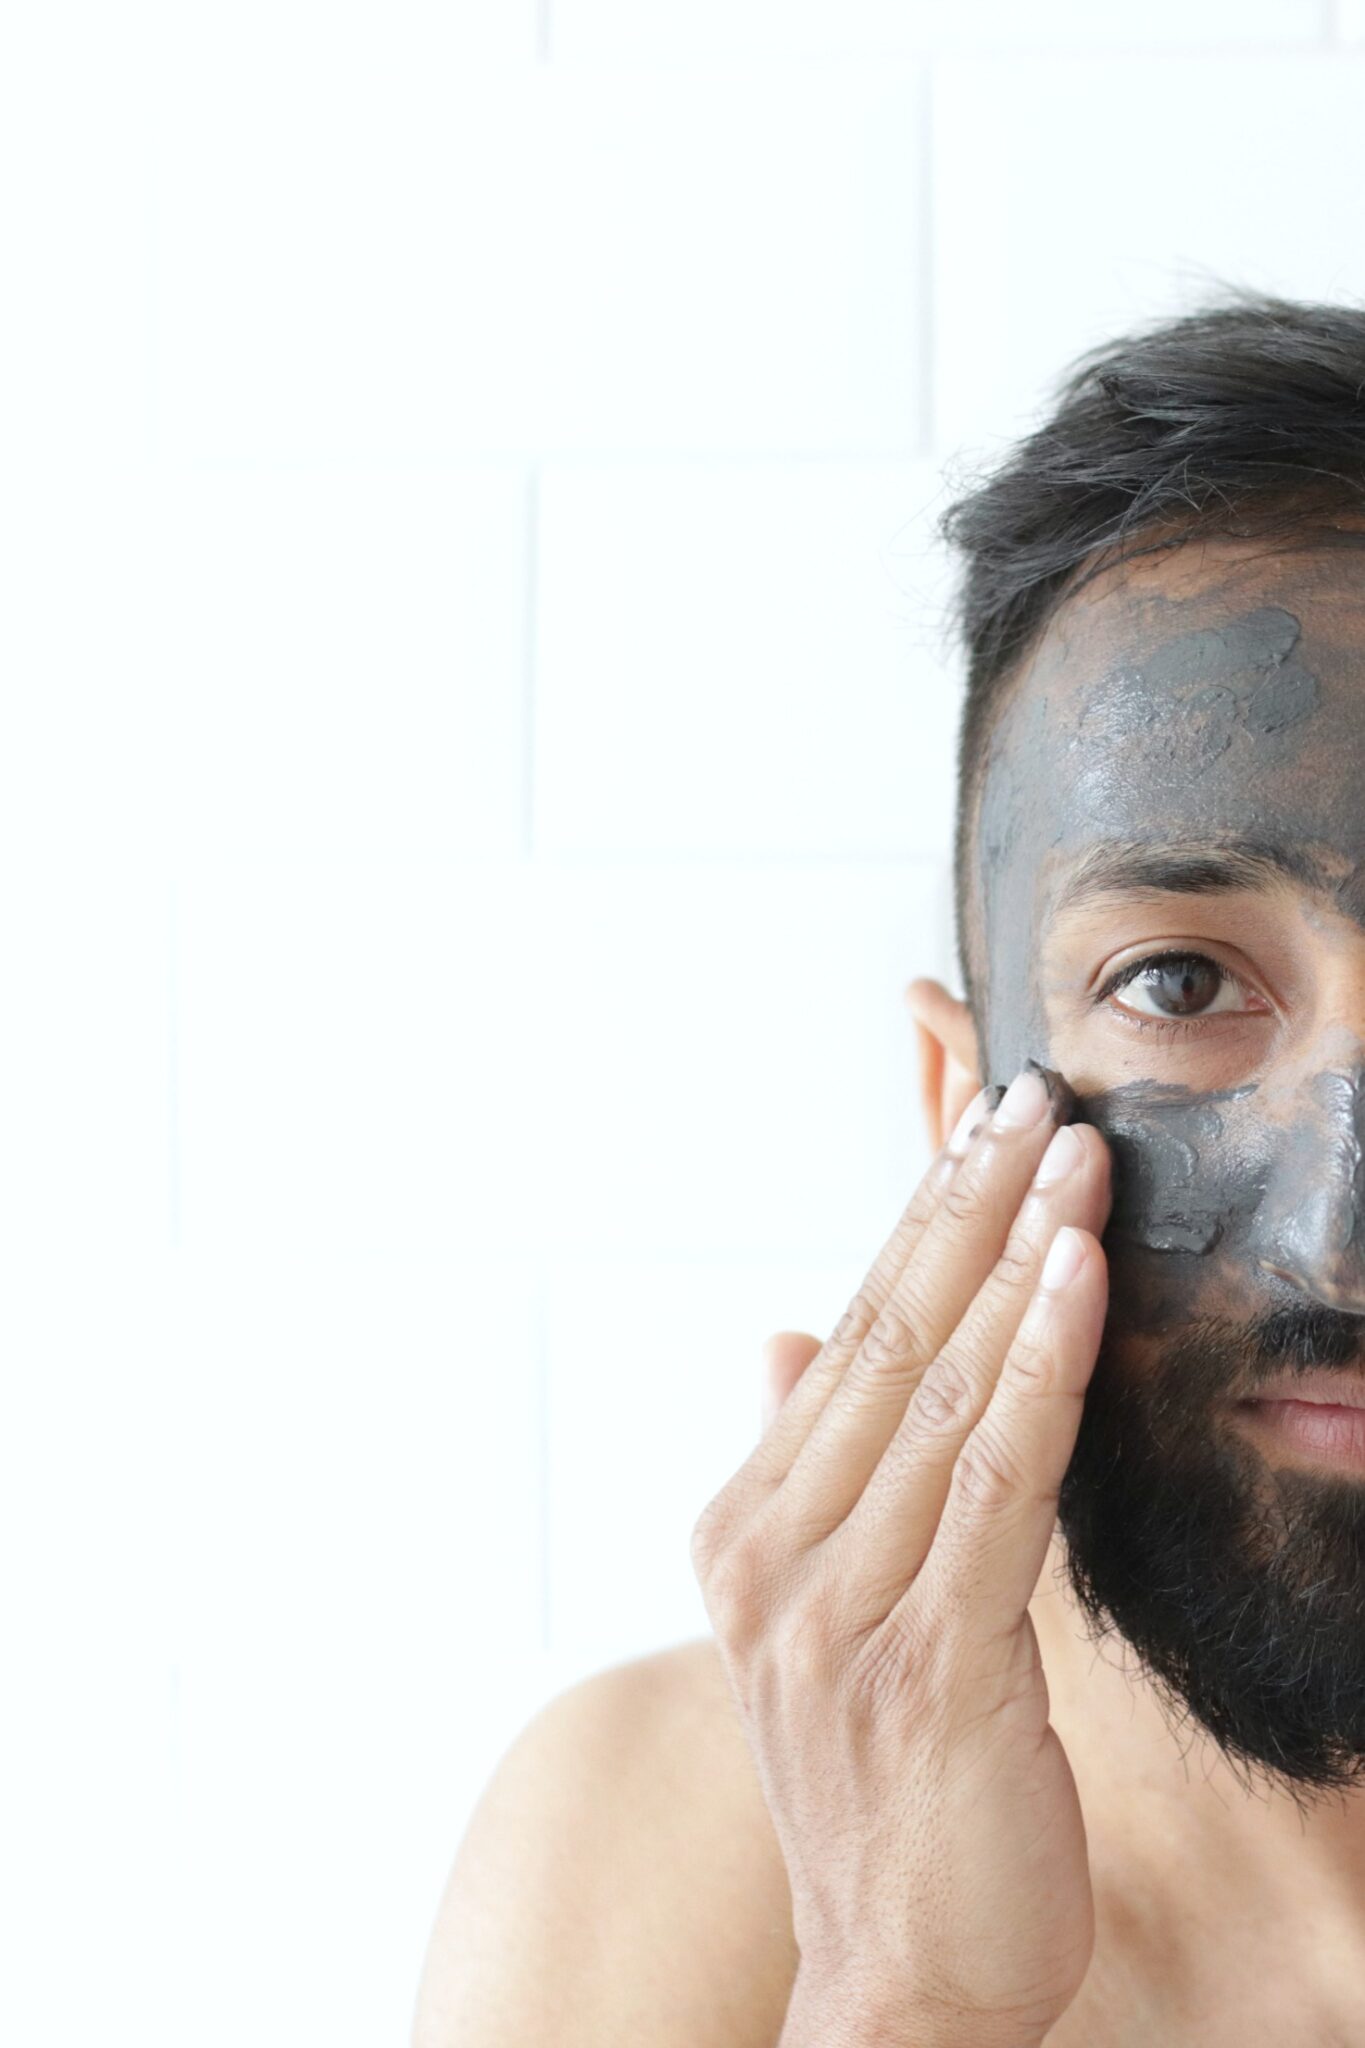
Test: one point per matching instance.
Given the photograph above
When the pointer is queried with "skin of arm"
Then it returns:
(619, 1881)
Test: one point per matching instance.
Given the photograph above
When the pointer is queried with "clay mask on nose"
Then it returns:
(1310, 1225)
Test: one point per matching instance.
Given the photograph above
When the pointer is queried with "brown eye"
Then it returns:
(1182, 988)
(1174, 985)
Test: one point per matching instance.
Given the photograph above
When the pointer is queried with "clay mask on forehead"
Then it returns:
(1236, 1246)
(1187, 731)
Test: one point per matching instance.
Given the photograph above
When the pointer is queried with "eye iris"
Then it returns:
(1183, 987)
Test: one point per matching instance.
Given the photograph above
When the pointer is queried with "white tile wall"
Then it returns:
(342, 653)
(742, 658)
(361, 1502)
(1083, 239)
(728, 1060)
(653, 1404)
(607, 30)
(359, 1052)
(77, 90)
(475, 779)
(86, 1157)
(84, 770)
(538, 261)
(90, 1604)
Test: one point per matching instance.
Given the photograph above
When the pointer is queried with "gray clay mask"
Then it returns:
(1235, 1244)
(1227, 733)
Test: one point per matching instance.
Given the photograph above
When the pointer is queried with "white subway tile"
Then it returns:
(343, 652)
(603, 261)
(729, 1066)
(359, 1053)
(86, 1163)
(362, 1539)
(84, 774)
(743, 658)
(90, 1609)
(654, 1377)
(1051, 238)
(78, 87)
(616, 30)
(360, 1461)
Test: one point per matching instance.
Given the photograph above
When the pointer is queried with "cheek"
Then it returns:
(1155, 1294)
(1189, 1172)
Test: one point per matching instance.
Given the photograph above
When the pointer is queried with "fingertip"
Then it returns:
(1066, 1257)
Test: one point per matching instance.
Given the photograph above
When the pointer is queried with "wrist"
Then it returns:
(824, 2013)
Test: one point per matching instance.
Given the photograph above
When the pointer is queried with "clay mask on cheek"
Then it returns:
(1269, 1182)
(1182, 1173)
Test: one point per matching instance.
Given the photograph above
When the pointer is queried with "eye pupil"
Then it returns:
(1183, 987)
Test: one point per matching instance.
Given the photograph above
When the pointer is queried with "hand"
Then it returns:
(868, 1570)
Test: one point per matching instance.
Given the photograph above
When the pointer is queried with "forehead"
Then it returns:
(1223, 689)
(1215, 692)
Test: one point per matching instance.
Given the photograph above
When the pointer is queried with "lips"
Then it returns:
(1320, 1389)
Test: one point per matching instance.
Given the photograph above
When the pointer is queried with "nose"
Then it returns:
(1310, 1225)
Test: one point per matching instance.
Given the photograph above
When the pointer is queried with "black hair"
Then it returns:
(1239, 418)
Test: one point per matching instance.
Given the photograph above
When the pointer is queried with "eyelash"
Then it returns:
(1178, 1027)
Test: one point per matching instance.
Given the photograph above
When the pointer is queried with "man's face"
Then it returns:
(1178, 779)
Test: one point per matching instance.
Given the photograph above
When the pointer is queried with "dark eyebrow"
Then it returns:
(1129, 867)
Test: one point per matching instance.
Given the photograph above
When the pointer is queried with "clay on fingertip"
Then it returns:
(1061, 1095)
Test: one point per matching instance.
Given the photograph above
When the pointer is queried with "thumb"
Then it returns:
(785, 1357)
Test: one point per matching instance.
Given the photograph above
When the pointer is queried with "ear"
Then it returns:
(950, 1072)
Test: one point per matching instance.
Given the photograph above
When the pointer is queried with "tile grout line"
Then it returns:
(541, 1327)
(530, 600)
(173, 1065)
(926, 261)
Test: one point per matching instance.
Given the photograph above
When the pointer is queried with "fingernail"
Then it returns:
(1063, 1261)
(1063, 1154)
(1062, 1094)
(1026, 1101)
(976, 1112)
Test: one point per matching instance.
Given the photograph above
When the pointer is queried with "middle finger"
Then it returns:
(956, 1251)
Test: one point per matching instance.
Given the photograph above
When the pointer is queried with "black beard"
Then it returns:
(1240, 1587)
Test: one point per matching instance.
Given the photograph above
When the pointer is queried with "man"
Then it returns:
(1036, 1704)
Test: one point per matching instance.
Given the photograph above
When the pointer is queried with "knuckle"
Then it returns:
(703, 1540)
(882, 1666)
(756, 1591)
(736, 1617)
(905, 1650)
(988, 1474)
(962, 1201)
(805, 1641)
(731, 1583)
(860, 1314)
(889, 1343)
(712, 1526)
(944, 1397)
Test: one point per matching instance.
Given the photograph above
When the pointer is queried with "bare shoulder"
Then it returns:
(620, 1879)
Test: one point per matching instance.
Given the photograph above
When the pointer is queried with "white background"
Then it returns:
(475, 779)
